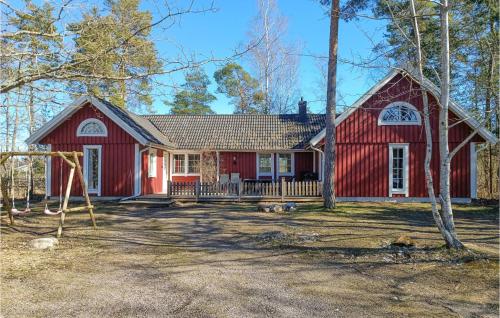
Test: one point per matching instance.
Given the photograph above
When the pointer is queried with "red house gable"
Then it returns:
(363, 145)
(117, 153)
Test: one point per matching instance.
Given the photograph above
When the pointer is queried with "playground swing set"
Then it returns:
(71, 159)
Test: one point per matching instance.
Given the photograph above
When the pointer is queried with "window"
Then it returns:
(186, 164)
(399, 113)
(265, 164)
(285, 164)
(91, 128)
(152, 163)
(194, 163)
(92, 168)
(179, 164)
(398, 169)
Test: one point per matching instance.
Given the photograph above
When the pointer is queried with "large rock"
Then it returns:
(276, 208)
(404, 240)
(44, 243)
(290, 206)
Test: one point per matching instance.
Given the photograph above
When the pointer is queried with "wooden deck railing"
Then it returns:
(265, 189)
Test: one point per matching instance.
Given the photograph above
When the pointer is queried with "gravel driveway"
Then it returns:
(223, 261)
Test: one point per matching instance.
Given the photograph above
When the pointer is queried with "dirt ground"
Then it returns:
(227, 260)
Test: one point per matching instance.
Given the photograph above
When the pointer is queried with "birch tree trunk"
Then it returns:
(452, 240)
(428, 131)
(330, 154)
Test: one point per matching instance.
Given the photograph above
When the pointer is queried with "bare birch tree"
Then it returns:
(448, 234)
(275, 62)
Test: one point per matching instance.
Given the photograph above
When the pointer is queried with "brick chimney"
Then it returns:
(302, 109)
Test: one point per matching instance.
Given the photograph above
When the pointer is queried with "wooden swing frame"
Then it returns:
(71, 158)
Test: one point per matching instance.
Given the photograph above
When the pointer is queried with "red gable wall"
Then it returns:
(117, 153)
(363, 153)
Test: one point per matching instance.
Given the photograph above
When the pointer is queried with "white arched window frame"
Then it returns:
(92, 127)
(399, 113)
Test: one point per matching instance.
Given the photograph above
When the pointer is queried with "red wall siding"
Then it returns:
(363, 151)
(153, 184)
(245, 164)
(304, 162)
(117, 154)
(185, 178)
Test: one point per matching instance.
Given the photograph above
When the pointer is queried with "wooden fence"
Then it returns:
(265, 189)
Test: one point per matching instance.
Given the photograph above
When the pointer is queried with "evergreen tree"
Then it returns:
(240, 87)
(194, 97)
(125, 28)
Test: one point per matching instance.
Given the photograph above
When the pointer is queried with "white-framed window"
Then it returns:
(92, 127)
(186, 164)
(398, 169)
(286, 164)
(399, 113)
(92, 163)
(179, 164)
(265, 165)
(193, 164)
(152, 163)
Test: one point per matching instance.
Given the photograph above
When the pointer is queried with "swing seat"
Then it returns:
(15, 211)
(48, 212)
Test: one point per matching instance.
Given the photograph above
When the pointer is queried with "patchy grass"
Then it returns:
(228, 260)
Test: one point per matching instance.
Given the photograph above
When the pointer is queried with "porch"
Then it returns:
(245, 190)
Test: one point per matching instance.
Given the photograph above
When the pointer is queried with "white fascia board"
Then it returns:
(456, 109)
(314, 141)
(73, 107)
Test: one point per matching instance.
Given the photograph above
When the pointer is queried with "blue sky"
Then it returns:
(220, 33)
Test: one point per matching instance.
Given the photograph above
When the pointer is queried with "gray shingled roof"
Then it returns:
(238, 132)
(140, 124)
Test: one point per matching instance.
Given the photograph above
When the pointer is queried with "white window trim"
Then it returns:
(85, 171)
(399, 123)
(285, 174)
(91, 120)
(152, 167)
(406, 169)
(137, 170)
(164, 187)
(265, 174)
(186, 164)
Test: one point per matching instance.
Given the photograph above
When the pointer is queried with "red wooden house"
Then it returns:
(380, 146)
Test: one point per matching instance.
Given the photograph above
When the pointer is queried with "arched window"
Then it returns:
(91, 128)
(399, 113)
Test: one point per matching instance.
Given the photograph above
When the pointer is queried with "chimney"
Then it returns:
(302, 109)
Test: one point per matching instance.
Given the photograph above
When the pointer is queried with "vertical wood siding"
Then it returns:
(245, 164)
(363, 147)
(154, 184)
(117, 170)
(304, 162)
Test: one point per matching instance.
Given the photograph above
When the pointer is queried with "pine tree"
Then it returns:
(240, 87)
(126, 28)
(194, 97)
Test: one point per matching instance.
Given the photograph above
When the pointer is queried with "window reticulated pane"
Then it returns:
(93, 169)
(193, 163)
(397, 169)
(92, 128)
(265, 163)
(399, 114)
(285, 163)
(179, 163)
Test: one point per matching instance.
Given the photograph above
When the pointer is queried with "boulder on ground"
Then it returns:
(43, 243)
(264, 208)
(404, 240)
(276, 208)
(290, 206)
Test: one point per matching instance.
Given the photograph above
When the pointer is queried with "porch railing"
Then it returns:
(264, 189)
